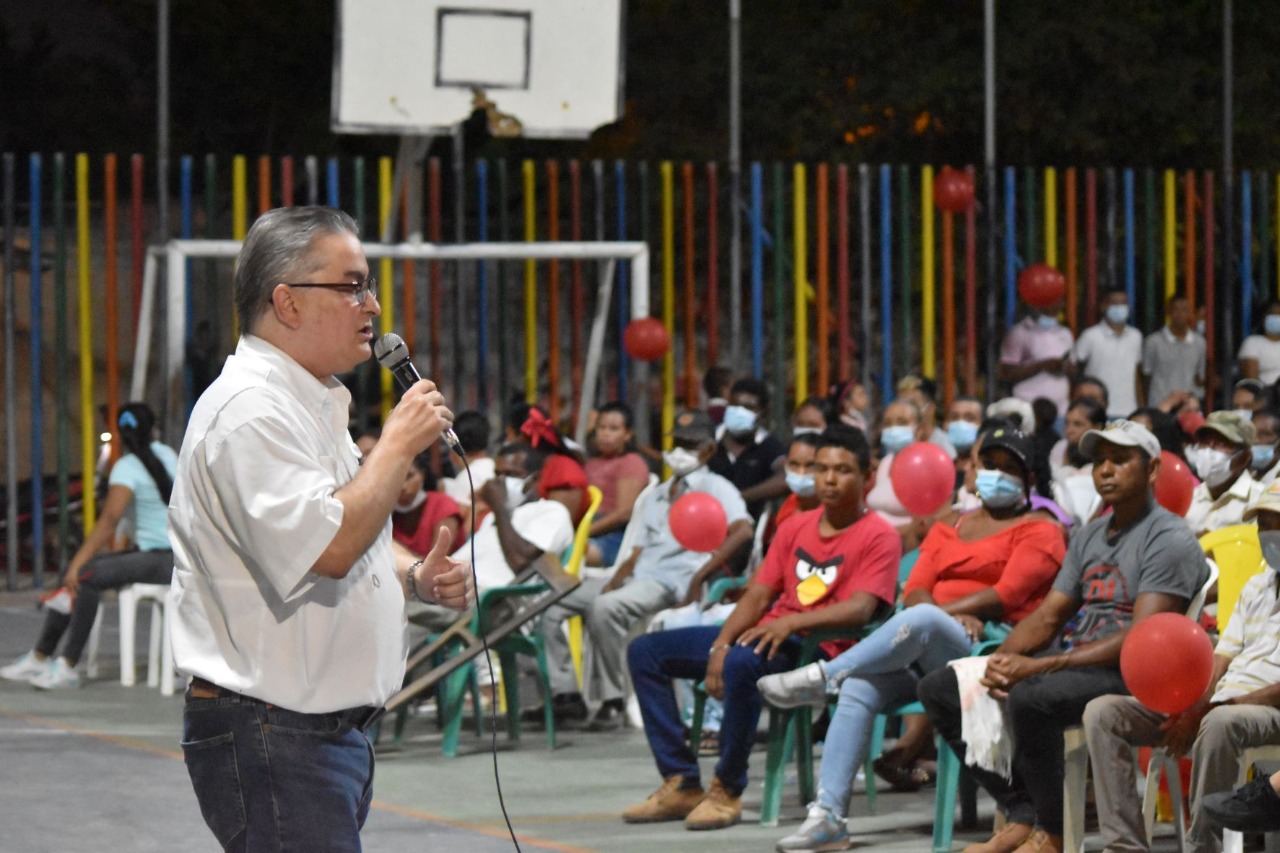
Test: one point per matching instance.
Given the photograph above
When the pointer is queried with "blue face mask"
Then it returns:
(1118, 314)
(895, 438)
(802, 485)
(739, 420)
(1271, 324)
(1047, 321)
(998, 490)
(962, 434)
(1263, 456)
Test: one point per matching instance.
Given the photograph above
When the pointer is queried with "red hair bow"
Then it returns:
(538, 428)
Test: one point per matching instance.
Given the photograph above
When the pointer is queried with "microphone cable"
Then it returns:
(484, 640)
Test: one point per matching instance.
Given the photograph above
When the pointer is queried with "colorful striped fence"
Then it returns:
(851, 274)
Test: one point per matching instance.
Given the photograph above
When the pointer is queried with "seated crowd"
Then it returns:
(1016, 595)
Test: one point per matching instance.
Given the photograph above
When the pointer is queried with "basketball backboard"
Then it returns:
(542, 68)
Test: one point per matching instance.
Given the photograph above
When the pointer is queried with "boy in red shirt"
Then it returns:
(832, 567)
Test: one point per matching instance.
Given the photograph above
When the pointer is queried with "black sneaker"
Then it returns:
(565, 708)
(610, 717)
(1254, 807)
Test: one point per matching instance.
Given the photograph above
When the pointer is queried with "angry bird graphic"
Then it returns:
(815, 578)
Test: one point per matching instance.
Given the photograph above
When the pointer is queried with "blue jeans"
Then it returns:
(880, 670)
(608, 543)
(270, 780)
(657, 659)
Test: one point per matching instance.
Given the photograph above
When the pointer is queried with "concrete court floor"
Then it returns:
(100, 769)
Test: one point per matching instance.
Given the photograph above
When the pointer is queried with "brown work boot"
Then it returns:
(1006, 840)
(672, 801)
(717, 810)
(1041, 842)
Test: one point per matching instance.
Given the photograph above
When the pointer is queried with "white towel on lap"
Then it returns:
(988, 742)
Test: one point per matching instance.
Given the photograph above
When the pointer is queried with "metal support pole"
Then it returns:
(1228, 287)
(735, 183)
(992, 181)
(162, 120)
(10, 379)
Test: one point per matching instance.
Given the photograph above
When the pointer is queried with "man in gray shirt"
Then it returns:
(657, 574)
(1173, 356)
(1121, 568)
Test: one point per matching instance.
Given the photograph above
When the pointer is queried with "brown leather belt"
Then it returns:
(359, 718)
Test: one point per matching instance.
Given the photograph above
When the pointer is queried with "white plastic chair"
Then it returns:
(159, 653)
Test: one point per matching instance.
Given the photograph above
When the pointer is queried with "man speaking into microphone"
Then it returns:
(290, 599)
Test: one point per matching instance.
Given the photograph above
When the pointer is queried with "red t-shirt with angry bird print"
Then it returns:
(806, 570)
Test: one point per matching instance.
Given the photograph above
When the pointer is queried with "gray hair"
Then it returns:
(276, 249)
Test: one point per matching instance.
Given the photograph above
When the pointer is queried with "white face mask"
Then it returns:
(1270, 542)
(1212, 466)
(416, 501)
(515, 491)
(682, 462)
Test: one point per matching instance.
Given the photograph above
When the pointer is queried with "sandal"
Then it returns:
(900, 777)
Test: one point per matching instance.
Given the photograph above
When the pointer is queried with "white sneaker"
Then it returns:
(821, 832)
(61, 674)
(804, 686)
(26, 668)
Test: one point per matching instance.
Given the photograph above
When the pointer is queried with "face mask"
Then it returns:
(962, 434)
(739, 419)
(1270, 542)
(802, 485)
(1118, 314)
(681, 461)
(895, 438)
(1046, 321)
(1263, 456)
(999, 490)
(418, 500)
(1212, 466)
(804, 431)
(515, 491)
(1200, 328)
(1271, 324)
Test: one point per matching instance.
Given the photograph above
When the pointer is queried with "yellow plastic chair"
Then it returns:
(1239, 557)
(573, 566)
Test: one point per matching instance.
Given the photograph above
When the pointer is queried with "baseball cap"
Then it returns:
(693, 425)
(1269, 500)
(1230, 426)
(1012, 440)
(1124, 433)
(1256, 386)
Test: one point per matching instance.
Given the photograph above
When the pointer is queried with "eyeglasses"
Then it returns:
(359, 291)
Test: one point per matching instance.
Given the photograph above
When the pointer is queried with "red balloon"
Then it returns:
(1174, 484)
(698, 522)
(1167, 661)
(923, 478)
(646, 339)
(1040, 285)
(953, 190)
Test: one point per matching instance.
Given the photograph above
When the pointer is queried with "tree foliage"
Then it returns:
(1084, 82)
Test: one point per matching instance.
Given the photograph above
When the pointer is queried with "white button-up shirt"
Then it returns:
(1207, 514)
(252, 509)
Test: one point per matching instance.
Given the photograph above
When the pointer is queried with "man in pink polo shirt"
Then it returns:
(1034, 357)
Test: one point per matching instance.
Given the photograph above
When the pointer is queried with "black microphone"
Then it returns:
(394, 356)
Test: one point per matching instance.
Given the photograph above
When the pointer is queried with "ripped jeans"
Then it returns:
(879, 671)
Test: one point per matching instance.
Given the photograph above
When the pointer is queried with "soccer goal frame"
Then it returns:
(174, 256)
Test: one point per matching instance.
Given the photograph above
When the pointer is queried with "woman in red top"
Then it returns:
(995, 564)
(421, 511)
(620, 474)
